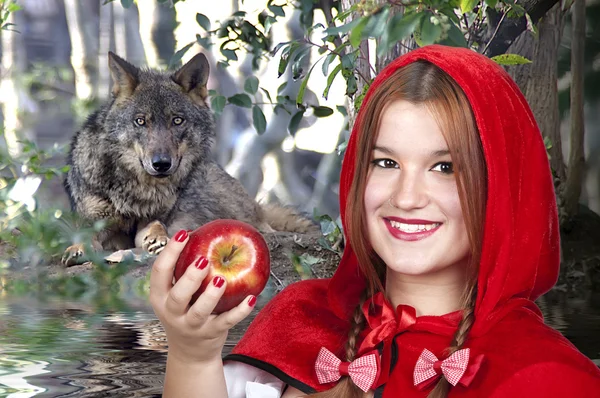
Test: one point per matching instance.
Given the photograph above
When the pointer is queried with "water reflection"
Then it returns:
(114, 346)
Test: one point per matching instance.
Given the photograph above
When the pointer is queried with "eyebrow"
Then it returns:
(434, 154)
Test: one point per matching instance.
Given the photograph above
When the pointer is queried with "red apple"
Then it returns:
(236, 251)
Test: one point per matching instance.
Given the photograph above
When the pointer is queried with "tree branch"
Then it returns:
(511, 28)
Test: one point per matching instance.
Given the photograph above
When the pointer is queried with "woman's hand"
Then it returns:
(194, 334)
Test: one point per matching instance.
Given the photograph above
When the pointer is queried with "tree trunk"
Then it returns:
(106, 44)
(576, 169)
(15, 100)
(541, 89)
(400, 48)
(83, 25)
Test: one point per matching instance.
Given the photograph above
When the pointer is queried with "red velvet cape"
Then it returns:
(520, 259)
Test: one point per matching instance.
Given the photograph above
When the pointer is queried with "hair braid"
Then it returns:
(460, 337)
(345, 388)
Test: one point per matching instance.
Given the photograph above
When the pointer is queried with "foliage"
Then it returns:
(27, 233)
(6, 7)
(461, 23)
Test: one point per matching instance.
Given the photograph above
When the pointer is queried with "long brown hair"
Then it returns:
(420, 83)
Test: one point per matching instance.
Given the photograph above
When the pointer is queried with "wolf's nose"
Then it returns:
(161, 163)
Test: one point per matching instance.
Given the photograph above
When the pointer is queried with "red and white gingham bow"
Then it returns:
(363, 371)
(453, 368)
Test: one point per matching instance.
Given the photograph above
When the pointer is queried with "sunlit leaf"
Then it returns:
(467, 5)
(510, 59)
(357, 32)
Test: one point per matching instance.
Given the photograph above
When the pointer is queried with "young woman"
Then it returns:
(451, 223)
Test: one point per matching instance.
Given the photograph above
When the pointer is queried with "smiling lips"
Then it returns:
(411, 230)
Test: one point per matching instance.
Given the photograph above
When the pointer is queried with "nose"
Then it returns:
(161, 162)
(410, 192)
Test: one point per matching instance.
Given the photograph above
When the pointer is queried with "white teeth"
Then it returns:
(412, 228)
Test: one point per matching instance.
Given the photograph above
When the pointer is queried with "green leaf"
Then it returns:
(242, 100)
(176, 58)
(456, 37)
(267, 94)
(491, 3)
(204, 41)
(259, 120)
(203, 21)
(401, 26)
(342, 109)
(351, 85)
(429, 33)
(277, 10)
(328, 60)
(286, 55)
(467, 5)
(322, 111)
(342, 29)
(217, 103)
(295, 121)
(251, 85)
(510, 59)
(229, 54)
(303, 85)
(356, 34)
(330, 79)
(126, 3)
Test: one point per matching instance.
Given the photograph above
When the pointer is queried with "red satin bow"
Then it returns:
(456, 368)
(383, 324)
(363, 371)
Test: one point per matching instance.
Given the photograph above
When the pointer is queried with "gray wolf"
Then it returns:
(143, 163)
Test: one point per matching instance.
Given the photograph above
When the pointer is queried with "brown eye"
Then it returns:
(140, 121)
(177, 120)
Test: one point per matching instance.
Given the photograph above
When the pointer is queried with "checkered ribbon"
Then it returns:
(363, 371)
(453, 368)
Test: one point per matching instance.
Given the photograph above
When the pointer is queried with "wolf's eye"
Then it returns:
(177, 120)
(140, 121)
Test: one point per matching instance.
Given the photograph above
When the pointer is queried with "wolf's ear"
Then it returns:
(124, 75)
(193, 77)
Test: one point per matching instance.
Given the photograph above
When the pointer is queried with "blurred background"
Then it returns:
(304, 65)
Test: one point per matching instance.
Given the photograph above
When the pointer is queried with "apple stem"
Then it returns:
(233, 249)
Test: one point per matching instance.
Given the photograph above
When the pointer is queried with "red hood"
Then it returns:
(520, 254)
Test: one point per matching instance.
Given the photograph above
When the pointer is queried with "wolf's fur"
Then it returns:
(120, 163)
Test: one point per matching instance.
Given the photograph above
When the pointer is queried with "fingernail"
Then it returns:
(252, 301)
(181, 236)
(201, 263)
(218, 281)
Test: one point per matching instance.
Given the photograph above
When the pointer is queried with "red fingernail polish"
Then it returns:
(181, 235)
(252, 301)
(218, 281)
(201, 263)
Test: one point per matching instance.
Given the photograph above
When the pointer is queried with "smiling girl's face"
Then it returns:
(413, 213)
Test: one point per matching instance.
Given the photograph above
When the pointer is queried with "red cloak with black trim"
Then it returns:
(523, 357)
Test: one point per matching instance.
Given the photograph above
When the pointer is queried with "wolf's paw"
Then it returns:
(152, 238)
(73, 255)
(154, 244)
